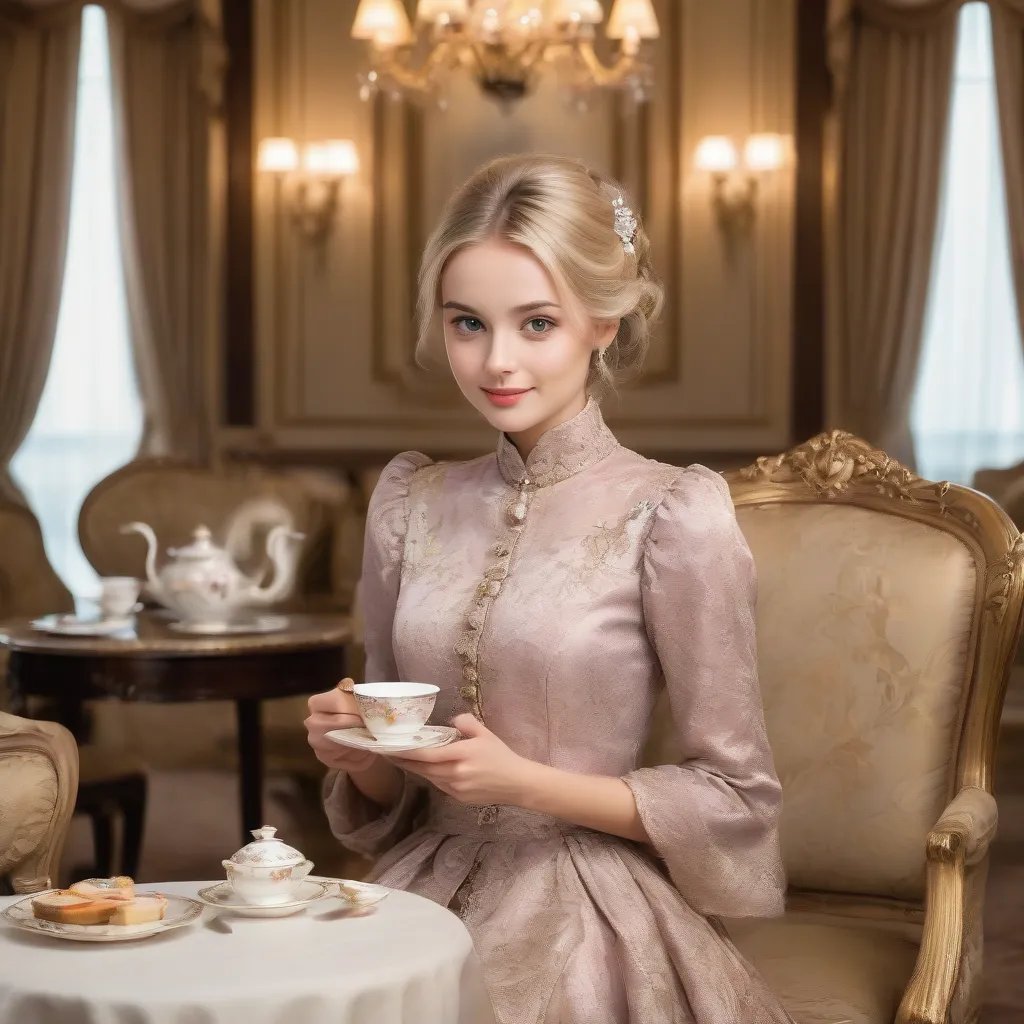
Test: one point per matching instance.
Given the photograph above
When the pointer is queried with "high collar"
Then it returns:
(562, 452)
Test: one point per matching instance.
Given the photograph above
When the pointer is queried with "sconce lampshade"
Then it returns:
(333, 158)
(764, 152)
(433, 11)
(587, 12)
(383, 22)
(277, 156)
(633, 17)
(715, 153)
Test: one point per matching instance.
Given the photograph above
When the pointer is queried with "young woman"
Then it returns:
(551, 589)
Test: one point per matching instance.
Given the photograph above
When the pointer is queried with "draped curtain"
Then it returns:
(38, 75)
(968, 409)
(1008, 57)
(166, 61)
(892, 65)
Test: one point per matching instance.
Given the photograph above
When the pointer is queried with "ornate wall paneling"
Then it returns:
(334, 324)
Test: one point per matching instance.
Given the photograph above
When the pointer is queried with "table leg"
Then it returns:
(250, 765)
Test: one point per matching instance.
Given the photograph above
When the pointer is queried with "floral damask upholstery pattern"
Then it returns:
(862, 660)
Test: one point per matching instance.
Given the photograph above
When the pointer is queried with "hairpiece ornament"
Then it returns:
(625, 223)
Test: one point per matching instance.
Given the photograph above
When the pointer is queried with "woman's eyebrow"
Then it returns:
(525, 308)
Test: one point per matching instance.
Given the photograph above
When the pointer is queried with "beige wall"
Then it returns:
(334, 326)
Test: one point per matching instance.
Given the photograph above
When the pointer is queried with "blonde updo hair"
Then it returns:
(562, 213)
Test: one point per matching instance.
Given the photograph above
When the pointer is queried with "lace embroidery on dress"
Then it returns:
(561, 452)
(422, 549)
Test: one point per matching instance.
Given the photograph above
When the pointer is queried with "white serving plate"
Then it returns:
(180, 911)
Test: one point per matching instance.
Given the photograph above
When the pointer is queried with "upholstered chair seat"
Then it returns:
(889, 608)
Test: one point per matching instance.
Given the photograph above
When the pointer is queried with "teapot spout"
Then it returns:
(283, 551)
(152, 580)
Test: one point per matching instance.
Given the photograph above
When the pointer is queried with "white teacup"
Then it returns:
(393, 712)
(118, 596)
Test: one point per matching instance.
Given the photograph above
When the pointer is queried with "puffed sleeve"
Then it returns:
(357, 822)
(713, 818)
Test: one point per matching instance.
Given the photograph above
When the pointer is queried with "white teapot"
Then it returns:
(202, 584)
(266, 872)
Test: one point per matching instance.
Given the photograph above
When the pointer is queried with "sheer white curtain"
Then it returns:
(90, 419)
(968, 408)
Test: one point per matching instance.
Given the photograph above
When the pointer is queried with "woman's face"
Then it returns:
(519, 349)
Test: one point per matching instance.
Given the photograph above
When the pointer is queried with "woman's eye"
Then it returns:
(540, 325)
(468, 324)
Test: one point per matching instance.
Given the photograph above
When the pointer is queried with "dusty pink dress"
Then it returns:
(555, 599)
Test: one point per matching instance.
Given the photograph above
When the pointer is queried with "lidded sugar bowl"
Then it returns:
(266, 871)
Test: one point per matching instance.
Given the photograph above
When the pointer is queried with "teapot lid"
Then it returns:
(267, 851)
(202, 545)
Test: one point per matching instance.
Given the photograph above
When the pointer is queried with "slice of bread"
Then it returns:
(65, 907)
(140, 910)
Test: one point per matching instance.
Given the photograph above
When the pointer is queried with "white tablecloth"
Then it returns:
(408, 962)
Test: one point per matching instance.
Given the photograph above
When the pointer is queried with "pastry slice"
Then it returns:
(121, 887)
(140, 910)
(65, 907)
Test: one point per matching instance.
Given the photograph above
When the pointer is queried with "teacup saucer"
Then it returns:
(223, 897)
(74, 625)
(427, 736)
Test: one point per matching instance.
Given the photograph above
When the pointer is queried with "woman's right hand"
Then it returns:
(336, 709)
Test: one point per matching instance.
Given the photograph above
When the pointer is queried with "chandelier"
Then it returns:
(504, 45)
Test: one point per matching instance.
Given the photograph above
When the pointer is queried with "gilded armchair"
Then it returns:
(38, 782)
(889, 608)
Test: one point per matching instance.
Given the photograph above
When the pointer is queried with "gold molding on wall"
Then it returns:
(726, 327)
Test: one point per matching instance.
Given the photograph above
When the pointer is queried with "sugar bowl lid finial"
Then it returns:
(267, 850)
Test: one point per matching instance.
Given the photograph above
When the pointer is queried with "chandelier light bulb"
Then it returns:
(633, 18)
(586, 12)
(507, 46)
(383, 23)
(444, 12)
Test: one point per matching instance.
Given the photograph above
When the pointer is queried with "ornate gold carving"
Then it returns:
(1001, 578)
(837, 462)
(839, 465)
(831, 463)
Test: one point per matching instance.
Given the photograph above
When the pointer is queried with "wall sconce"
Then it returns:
(734, 191)
(311, 190)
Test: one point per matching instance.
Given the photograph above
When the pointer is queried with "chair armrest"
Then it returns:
(959, 838)
(969, 823)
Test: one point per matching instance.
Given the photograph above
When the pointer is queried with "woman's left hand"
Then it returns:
(479, 769)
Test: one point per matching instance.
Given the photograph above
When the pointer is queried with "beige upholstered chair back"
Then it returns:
(888, 611)
(175, 497)
(38, 784)
(28, 584)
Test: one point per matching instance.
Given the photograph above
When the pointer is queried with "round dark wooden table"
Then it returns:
(156, 664)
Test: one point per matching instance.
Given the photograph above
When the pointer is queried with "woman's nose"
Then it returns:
(501, 354)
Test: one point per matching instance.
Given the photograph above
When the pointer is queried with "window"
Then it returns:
(968, 407)
(89, 419)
